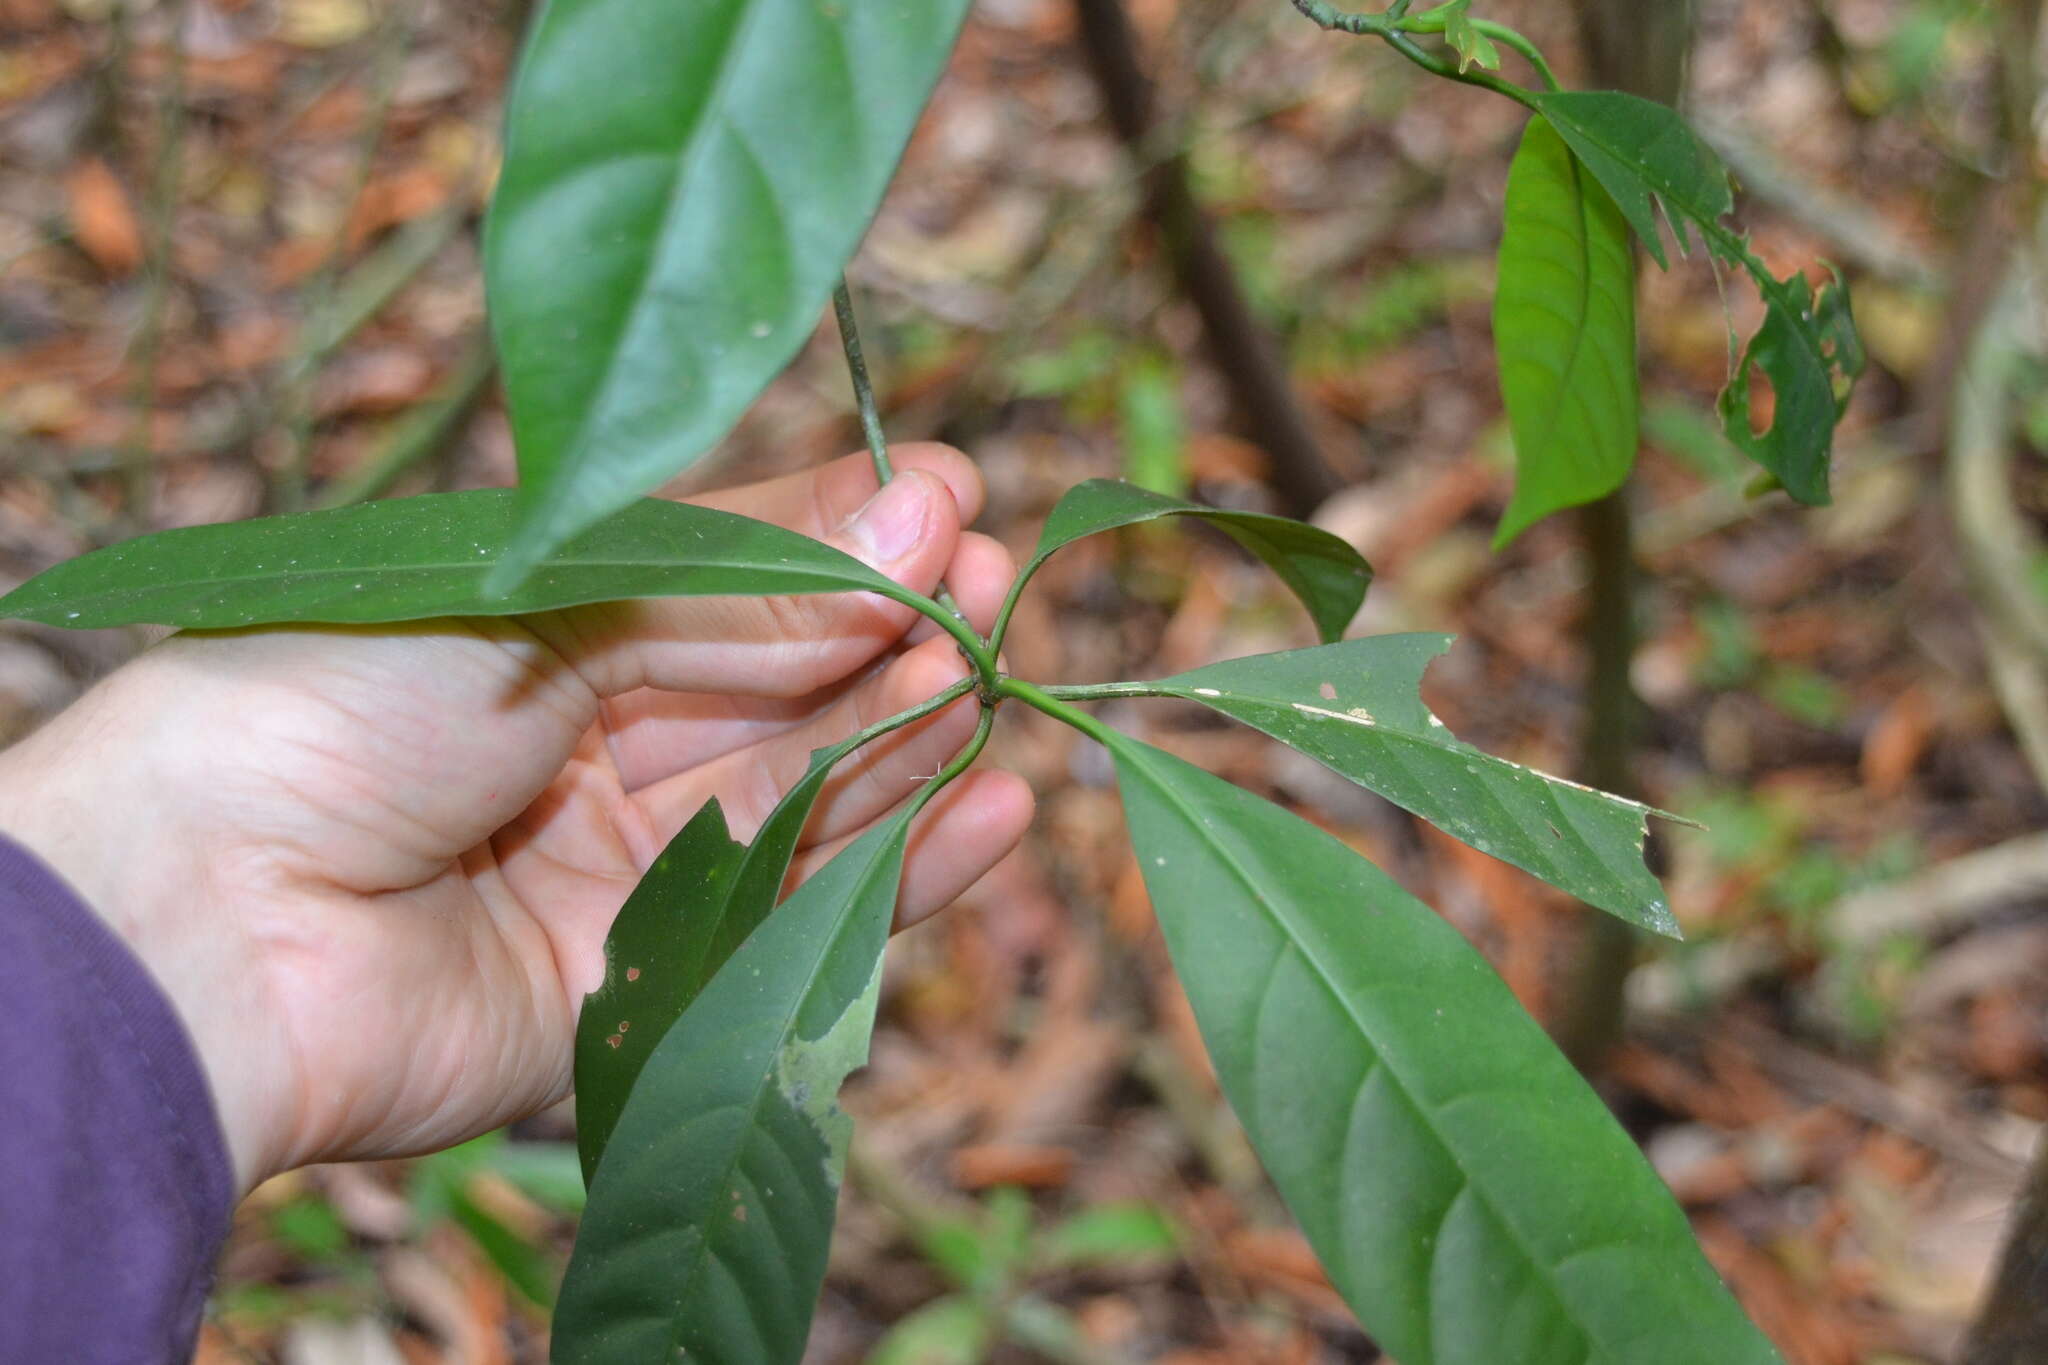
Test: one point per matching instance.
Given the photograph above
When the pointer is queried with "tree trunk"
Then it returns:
(1638, 46)
(2012, 1329)
(1246, 357)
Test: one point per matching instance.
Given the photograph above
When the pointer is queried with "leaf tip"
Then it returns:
(1659, 920)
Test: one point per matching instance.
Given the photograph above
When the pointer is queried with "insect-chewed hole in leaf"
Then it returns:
(1763, 402)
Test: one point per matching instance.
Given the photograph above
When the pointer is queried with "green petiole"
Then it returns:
(1394, 28)
(1043, 700)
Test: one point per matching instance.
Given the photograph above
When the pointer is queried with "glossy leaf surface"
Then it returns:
(1471, 1198)
(412, 559)
(1644, 155)
(1564, 324)
(654, 965)
(712, 1208)
(1357, 707)
(692, 910)
(1327, 575)
(682, 184)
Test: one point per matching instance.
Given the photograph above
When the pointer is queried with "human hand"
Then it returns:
(373, 868)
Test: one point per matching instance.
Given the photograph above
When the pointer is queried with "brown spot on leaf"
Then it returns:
(615, 1040)
(632, 973)
(625, 1024)
(1329, 692)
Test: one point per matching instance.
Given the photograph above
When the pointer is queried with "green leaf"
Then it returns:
(545, 1171)
(948, 1331)
(526, 1267)
(1564, 323)
(682, 184)
(1644, 155)
(654, 966)
(692, 910)
(1150, 427)
(1111, 1235)
(1357, 708)
(1469, 1195)
(412, 559)
(712, 1210)
(1467, 41)
(1327, 575)
(1810, 352)
(958, 1248)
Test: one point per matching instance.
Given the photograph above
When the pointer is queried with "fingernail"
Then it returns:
(889, 526)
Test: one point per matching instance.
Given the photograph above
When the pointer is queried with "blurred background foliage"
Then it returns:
(238, 273)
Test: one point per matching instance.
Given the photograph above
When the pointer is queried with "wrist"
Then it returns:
(80, 795)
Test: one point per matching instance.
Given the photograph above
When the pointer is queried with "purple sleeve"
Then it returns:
(115, 1187)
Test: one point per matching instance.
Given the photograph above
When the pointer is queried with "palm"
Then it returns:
(387, 858)
(468, 959)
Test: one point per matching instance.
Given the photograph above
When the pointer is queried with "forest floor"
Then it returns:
(1841, 1073)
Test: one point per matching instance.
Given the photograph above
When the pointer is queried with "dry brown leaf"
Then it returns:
(1281, 1259)
(381, 380)
(102, 217)
(1897, 741)
(1033, 1166)
(2006, 1036)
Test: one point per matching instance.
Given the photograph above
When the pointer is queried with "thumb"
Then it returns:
(771, 646)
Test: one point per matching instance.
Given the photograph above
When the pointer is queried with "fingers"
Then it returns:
(979, 578)
(816, 501)
(770, 646)
(653, 735)
(749, 782)
(965, 831)
(656, 734)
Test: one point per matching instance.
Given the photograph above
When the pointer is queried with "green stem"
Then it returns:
(1106, 691)
(996, 636)
(973, 646)
(1393, 29)
(870, 414)
(1043, 700)
(863, 389)
(911, 717)
(1531, 54)
(963, 760)
(138, 469)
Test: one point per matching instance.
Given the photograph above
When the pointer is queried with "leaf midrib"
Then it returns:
(570, 457)
(1583, 241)
(1722, 240)
(1408, 1091)
(1380, 729)
(399, 576)
(475, 568)
(752, 1108)
(1453, 748)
